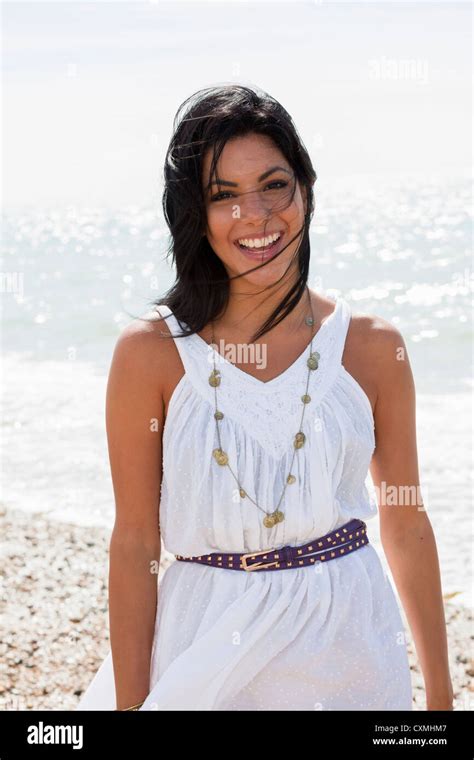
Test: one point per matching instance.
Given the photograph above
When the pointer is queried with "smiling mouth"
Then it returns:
(259, 252)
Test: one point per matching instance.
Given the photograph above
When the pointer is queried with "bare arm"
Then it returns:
(134, 420)
(405, 528)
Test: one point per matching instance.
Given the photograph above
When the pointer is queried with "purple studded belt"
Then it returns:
(342, 541)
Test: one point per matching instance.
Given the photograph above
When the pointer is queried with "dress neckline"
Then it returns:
(270, 384)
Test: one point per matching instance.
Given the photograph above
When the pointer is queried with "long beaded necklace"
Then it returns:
(276, 515)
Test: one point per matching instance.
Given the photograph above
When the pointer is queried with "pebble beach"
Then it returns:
(54, 630)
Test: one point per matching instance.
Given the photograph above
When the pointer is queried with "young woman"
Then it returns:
(242, 419)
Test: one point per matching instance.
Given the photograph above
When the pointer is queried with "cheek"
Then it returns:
(296, 207)
(294, 214)
(219, 225)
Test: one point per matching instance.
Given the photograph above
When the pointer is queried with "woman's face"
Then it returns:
(253, 210)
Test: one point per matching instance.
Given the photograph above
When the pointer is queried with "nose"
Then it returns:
(253, 206)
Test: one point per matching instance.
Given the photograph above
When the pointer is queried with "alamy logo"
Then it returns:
(46, 734)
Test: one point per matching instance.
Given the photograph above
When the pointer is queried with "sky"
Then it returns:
(90, 89)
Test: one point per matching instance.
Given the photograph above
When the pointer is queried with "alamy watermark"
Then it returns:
(238, 353)
(406, 69)
(400, 496)
(12, 282)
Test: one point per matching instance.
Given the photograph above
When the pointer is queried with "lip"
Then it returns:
(261, 254)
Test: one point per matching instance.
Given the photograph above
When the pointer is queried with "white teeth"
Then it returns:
(259, 242)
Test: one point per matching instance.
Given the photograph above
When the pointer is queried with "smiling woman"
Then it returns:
(229, 214)
(254, 477)
(264, 186)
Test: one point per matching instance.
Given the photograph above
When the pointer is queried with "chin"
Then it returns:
(265, 276)
(271, 272)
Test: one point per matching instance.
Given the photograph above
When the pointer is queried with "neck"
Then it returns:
(247, 310)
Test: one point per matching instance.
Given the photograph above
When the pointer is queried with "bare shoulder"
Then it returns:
(146, 338)
(377, 335)
(381, 346)
(144, 348)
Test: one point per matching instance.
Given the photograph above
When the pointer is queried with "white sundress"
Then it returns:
(327, 636)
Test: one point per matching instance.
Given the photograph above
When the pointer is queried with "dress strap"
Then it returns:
(341, 330)
(331, 356)
(175, 330)
(195, 355)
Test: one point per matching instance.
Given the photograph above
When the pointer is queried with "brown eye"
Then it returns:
(271, 185)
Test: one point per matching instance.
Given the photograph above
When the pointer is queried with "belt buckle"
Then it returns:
(260, 565)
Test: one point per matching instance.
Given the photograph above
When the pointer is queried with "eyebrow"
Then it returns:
(262, 177)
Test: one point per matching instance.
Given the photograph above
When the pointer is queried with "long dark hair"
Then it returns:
(208, 119)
